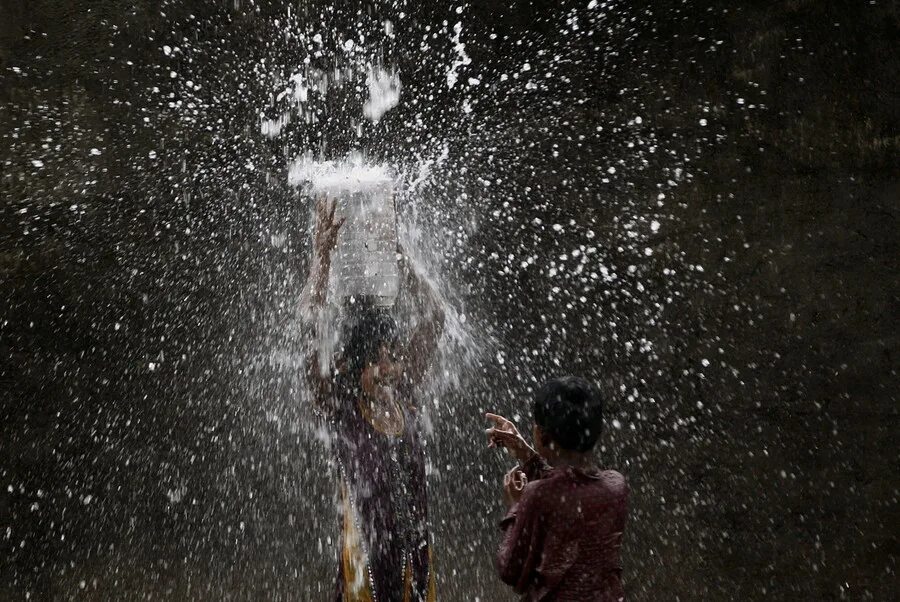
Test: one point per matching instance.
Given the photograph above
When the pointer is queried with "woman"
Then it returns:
(368, 402)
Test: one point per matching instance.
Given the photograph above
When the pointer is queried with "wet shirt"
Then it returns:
(561, 539)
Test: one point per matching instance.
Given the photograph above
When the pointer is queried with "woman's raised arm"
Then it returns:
(314, 296)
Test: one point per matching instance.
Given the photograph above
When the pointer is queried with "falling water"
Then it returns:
(586, 184)
(536, 210)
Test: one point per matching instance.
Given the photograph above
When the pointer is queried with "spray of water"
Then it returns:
(534, 190)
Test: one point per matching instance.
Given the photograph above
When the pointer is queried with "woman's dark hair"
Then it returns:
(366, 329)
(569, 411)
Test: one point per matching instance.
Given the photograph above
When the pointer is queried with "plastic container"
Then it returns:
(364, 261)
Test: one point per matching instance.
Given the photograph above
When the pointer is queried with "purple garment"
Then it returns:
(561, 539)
(385, 476)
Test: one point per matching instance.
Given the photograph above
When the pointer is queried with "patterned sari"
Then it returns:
(385, 554)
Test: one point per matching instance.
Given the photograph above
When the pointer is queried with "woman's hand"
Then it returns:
(325, 239)
(326, 227)
(513, 484)
(505, 434)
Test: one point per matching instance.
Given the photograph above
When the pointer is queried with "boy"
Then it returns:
(562, 534)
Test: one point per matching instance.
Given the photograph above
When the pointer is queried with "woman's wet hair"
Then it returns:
(366, 329)
(569, 411)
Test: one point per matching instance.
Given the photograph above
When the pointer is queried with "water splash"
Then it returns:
(536, 187)
(333, 177)
(384, 93)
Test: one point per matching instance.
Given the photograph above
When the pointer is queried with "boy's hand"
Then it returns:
(513, 484)
(505, 434)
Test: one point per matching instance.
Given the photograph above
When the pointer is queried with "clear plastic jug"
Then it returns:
(364, 261)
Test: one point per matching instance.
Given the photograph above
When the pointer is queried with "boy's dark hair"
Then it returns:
(569, 411)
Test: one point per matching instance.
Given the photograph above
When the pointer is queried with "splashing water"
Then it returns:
(384, 93)
(536, 186)
(335, 177)
(351, 177)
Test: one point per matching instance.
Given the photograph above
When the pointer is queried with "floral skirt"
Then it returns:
(355, 581)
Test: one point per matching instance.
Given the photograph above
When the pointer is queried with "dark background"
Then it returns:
(768, 472)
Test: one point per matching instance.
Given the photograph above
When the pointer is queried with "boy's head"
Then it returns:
(568, 413)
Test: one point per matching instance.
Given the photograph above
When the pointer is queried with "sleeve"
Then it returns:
(535, 468)
(522, 541)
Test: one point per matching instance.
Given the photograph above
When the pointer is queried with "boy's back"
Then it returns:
(562, 538)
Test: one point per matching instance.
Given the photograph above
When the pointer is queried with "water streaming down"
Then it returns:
(586, 187)
(365, 257)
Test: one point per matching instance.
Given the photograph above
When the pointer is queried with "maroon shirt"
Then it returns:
(561, 539)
